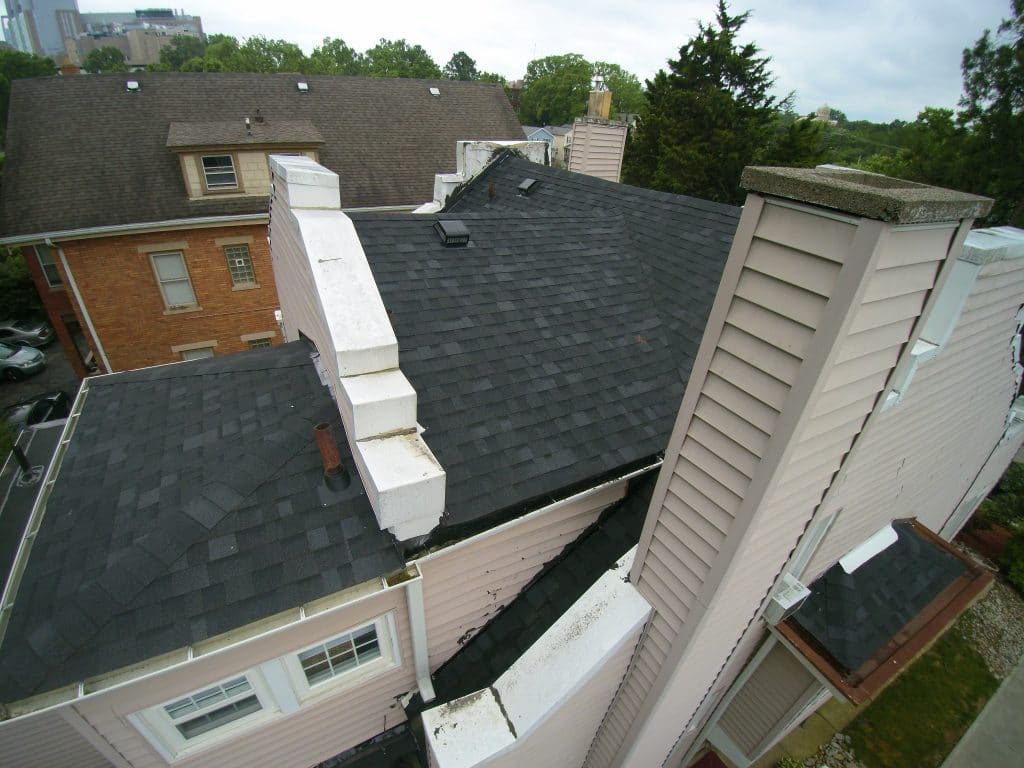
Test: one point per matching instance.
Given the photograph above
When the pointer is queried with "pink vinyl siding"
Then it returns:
(46, 741)
(316, 731)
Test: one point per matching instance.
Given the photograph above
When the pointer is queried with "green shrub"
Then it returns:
(1013, 561)
(1005, 505)
(789, 762)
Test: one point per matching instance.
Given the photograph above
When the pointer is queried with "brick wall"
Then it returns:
(116, 279)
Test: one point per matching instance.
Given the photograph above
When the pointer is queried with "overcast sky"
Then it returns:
(873, 59)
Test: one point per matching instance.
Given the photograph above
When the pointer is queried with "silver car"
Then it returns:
(18, 362)
(35, 334)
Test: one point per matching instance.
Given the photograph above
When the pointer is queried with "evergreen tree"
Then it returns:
(707, 118)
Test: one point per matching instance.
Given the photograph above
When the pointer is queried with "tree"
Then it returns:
(396, 58)
(335, 57)
(992, 109)
(627, 93)
(795, 142)
(706, 118)
(492, 77)
(107, 58)
(18, 295)
(13, 66)
(461, 67)
(258, 54)
(180, 49)
(555, 89)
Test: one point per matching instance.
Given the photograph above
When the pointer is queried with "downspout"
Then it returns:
(81, 305)
(418, 630)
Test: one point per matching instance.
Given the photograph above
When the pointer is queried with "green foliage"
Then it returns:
(18, 295)
(918, 719)
(795, 142)
(1013, 561)
(707, 118)
(1005, 505)
(555, 89)
(461, 67)
(627, 93)
(180, 49)
(993, 110)
(492, 77)
(13, 66)
(107, 58)
(335, 57)
(789, 762)
(258, 54)
(396, 58)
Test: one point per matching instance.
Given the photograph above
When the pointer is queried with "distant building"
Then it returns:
(139, 35)
(824, 115)
(40, 26)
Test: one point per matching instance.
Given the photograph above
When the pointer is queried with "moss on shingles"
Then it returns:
(919, 718)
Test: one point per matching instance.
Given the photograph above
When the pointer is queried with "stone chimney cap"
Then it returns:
(860, 193)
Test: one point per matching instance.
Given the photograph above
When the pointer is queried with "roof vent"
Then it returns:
(528, 187)
(132, 86)
(303, 86)
(435, 91)
(454, 234)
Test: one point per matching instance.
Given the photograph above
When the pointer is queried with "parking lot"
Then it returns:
(57, 375)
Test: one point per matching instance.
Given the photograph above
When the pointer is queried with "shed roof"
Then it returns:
(384, 137)
(190, 502)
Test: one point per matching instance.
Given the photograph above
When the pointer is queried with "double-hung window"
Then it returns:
(172, 275)
(192, 721)
(340, 655)
(45, 255)
(219, 171)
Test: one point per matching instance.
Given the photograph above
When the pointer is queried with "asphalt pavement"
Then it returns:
(57, 375)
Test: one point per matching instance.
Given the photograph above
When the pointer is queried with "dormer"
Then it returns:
(229, 158)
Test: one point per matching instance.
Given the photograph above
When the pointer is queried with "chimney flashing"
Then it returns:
(870, 195)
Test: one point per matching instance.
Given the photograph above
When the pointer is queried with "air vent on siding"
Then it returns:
(453, 233)
(528, 186)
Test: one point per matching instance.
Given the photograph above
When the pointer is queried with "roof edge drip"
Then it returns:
(328, 294)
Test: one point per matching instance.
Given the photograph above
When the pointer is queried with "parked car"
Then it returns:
(40, 409)
(18, 362)
(35, 334)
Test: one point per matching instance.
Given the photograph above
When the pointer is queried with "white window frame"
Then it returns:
(159, 728)
(219, 171)
(160, 281)
(51, 263)
(390, 656)
(197, 353)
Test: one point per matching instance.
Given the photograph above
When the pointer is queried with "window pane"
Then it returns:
(219, 717)
(197, 354)
(259, 343)
(45, 255)
(240, 264)
(170, 266)
(219, 171)
(179, 293)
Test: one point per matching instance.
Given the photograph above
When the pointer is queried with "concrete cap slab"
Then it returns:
(870, 195)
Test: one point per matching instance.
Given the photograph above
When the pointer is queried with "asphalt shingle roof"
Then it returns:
(190, 502)
(681, 243)
(537, 356)
(384, 137)
(853, 615)
(200, 133)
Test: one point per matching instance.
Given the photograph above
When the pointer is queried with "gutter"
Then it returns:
(195, 222)
(81, 305)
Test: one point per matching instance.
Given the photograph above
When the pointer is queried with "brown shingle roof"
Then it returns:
(217, 133)
(85, 152)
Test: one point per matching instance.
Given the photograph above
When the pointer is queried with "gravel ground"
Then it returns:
(835, 754)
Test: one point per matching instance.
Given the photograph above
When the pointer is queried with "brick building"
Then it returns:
(152, 248)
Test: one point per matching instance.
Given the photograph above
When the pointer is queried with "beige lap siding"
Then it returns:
(46, 741)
